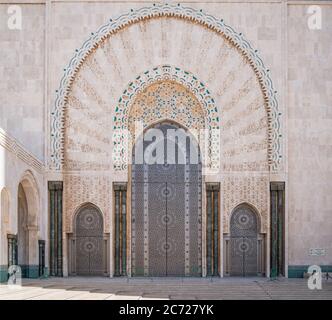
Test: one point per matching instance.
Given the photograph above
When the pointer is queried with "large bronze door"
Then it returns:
(166, 214)
(89, 242)
(244, 243)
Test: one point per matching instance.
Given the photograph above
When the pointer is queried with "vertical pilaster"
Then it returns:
(212, 229)
(208, 232)
(117, 232)
(277, 196)
(12, 250)
(55, 206)
(124, 231)
(41, 265)
(215, 231)
(120, 250)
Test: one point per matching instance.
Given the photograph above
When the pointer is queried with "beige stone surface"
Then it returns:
(32, 63)
(166, 289)
(22, 69)
(309, 137)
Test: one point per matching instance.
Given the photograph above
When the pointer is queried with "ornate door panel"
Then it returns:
(156, 243)
(244, 243)
(194, 217)
(175, 233)
(89, 242)
(166, 217)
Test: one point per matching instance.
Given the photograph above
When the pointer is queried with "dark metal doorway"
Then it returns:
(244, 242)
(166, 212)
(89, 242)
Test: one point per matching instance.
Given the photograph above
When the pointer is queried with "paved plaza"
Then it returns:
(78, 288)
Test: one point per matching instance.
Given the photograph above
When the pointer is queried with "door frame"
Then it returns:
(261, 245)
(129, 211)
(71, 244)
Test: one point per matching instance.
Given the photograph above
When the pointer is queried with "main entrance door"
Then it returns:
(166, 205)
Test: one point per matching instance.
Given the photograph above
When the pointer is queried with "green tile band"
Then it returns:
(3, 273)
(297, 271)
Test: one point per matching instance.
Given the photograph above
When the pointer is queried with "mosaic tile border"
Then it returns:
(164, 73)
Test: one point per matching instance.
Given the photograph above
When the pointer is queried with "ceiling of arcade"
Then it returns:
(142, 46)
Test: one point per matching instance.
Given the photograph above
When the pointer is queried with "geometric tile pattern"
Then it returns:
(252, 190)
(165, 92)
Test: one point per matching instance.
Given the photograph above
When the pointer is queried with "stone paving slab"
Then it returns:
(124, 297)
(56, 295)
(79, 288)
(91, 296)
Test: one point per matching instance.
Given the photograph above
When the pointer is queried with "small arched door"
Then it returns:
(244, 242)
(89, 241)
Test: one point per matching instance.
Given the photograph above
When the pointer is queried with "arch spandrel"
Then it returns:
(231, 44)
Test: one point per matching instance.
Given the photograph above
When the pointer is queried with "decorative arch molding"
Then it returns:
(249, 190)
(162, 74)
(246, 204)
(157, 11)
(31, 190)
(82, 206)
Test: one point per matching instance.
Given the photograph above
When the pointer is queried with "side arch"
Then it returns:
(28, 224)
(32, 191)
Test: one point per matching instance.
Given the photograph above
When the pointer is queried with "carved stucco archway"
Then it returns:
(181, 98)
(28, 221)
(79, 208)
(176, 11)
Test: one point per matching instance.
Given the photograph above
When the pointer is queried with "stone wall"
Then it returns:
(32, 64)
(22, 67)
(309, 109)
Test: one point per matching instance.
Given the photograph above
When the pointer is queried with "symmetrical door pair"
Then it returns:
(166, 211)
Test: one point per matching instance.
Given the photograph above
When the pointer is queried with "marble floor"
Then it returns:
(95, 288)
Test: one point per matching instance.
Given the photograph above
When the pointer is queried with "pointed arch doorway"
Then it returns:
(244, 242)
(166, 203)
(89, 247)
